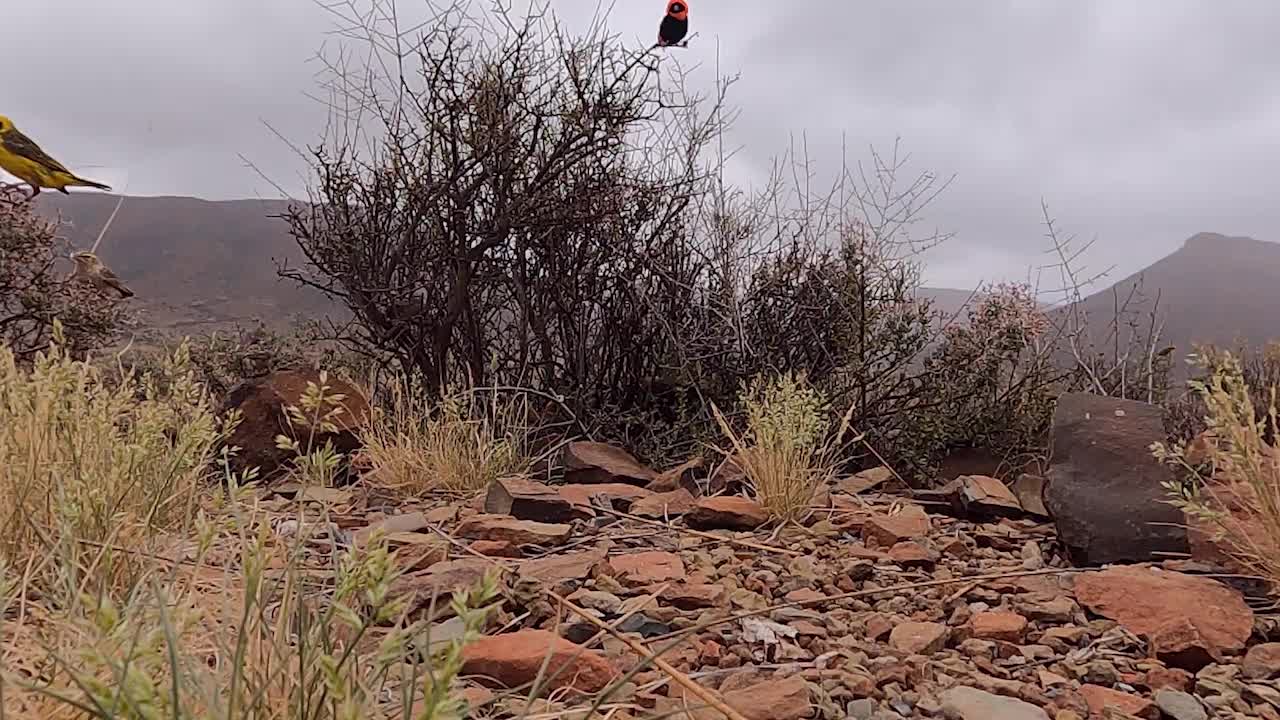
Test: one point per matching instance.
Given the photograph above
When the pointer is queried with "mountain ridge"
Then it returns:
(197, 262)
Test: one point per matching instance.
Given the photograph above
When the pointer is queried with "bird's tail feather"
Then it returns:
(92, 183)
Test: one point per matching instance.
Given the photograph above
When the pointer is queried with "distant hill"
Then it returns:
(197, 265)
(1215, 289)
(194, 264)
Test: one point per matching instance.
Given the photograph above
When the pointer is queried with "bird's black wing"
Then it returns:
(19, 144)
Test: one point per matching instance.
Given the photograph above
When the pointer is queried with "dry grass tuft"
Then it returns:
(1239, 504)
(789, 448)
(458, 445)
(87, 465)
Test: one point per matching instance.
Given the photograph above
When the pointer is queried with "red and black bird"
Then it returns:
(675, 25)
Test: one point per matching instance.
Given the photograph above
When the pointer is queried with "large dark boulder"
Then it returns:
(1103, 487)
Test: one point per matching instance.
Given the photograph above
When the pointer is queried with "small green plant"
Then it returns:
(788, 449)
(1239, 505)
(457, 444)
(319, 414)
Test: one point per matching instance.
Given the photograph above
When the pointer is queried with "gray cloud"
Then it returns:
(1140, 122)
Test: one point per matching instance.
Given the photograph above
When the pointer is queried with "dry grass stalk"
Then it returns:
(1239, 504)
(458, 445)
(86, 464)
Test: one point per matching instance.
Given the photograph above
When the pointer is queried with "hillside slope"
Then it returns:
(1215, 289)
(193, 263)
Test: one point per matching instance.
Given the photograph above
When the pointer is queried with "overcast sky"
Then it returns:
(1140, 122)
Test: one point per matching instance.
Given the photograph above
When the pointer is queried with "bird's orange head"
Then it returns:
(678, 9)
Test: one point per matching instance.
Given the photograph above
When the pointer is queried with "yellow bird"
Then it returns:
(22, 158)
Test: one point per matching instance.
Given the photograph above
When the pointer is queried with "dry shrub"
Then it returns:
(460, 443)
(1240, 503)
(990, 384)
(86, 465)
(34, 290)
(788, 449)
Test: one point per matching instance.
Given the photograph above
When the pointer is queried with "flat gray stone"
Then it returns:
(966, 703)
(1179, 705)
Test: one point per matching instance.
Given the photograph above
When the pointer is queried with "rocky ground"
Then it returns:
(883, 603)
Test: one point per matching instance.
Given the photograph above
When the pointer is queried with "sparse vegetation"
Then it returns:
(86, 466)
(458, 444)
(790, 447)
(162, 595)
(34, 291)
(1237, 501)
(538, 245)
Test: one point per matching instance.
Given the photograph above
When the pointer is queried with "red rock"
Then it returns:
(1190, 620)
(263, 402)
(774, 699)
(441, 580)
(955, 547)
(528, 500)
(496, 548)
(1179, 643)
(1057, 610)
(728, 512)
(512, 530)
(859, 685)
(1071, 634)
(1262, 662)
(514, 659)
(1068, 705)
(1100, 698)
(688, 596)
(709, 652)
(998, 625)
(918, 638)
(1029, 489)
(728, 477)
(876, 626)
(660, 506)
(557, 569)
(418, 551)
(864, 480)
(804, 595)
(647, 568)
(986, 496)
(893, 674)
(677, 477)
(595, 463)
(1174, 678)
(887, 530)
(862, 552)
(910, 554)
(620, 495)
(442, 515)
